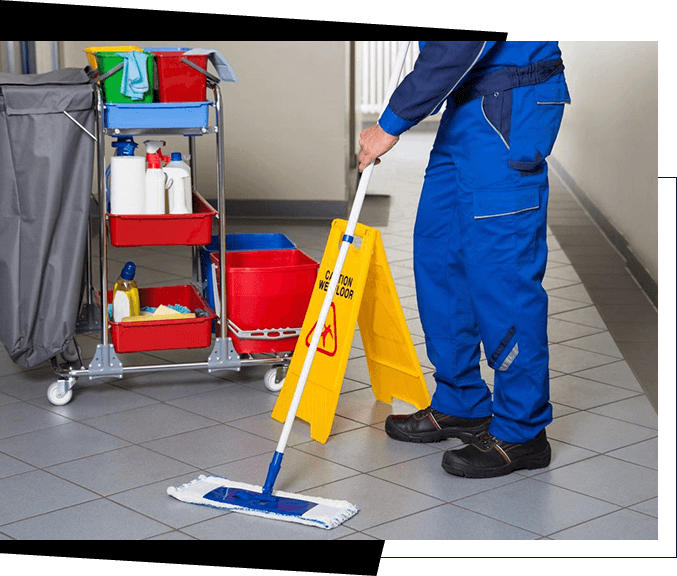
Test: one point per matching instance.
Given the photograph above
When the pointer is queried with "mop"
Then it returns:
(223, 493)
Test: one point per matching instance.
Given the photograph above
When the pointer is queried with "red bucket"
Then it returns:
(178, 81)
(267, 291)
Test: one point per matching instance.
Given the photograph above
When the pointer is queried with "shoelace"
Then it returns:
(486, 439)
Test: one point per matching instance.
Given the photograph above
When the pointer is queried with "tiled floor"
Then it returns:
(99, 466)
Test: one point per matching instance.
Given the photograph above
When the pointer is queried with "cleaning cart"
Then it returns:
(175, 115)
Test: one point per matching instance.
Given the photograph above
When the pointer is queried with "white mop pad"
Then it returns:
(226, 494)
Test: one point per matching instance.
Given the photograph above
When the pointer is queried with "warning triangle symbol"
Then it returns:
(328, 342)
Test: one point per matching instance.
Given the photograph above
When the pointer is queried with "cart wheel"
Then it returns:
(72, 352)
(270, 377)
(55, 397)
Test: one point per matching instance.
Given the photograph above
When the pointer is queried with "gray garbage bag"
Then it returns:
(46, 169)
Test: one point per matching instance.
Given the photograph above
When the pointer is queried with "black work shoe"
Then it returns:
(429, 425)
(489, 457)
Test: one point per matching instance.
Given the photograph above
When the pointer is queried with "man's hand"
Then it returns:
(374, 142)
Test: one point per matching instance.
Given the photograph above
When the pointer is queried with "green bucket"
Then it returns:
(112, 86)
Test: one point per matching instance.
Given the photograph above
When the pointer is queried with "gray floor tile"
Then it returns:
(636, 410)
(449, 522)
(605, 478)
(561, 330)
(20, 418)
(149, 422)
(588, 316)
(93, 399)
(172, 385)
(59, 444)
(379, 501)
(300, 472)
(643, 453)
(37, 492)
(584, 394)
(361, 406)
(427, 476)
(120, 470)
(228, 404)
(621, 525)
(27, 384)
(537, 506)
(649, 507)
(212, 446)
(615, 373)
(566, 359)
(153, 501)
(11, 466)
(97, 520)
(602, 343)
(264, 425)
(596, 432)
(376, 450)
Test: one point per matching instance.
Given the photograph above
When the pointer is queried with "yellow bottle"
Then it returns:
(126, 294)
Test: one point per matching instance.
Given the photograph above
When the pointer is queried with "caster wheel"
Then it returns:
(72, 353)
(269, 380)
(55, 397)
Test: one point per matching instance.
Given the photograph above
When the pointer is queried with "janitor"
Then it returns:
(480, 248)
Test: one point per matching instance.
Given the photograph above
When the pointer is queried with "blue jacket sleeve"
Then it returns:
(439, 68)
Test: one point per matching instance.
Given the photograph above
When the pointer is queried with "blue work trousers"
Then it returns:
(480, 255)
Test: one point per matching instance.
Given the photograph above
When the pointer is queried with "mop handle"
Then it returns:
(338, 267)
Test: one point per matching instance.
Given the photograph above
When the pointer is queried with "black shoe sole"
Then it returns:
(466, 435)
(533, 462)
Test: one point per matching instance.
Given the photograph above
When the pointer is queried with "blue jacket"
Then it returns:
(444, 67)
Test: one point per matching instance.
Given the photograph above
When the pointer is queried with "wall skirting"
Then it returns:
(634, 266)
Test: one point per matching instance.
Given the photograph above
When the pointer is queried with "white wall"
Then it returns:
(609, 138)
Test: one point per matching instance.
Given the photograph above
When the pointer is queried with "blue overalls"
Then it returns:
(480, 248)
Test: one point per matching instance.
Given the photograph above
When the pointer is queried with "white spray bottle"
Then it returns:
(156, 179)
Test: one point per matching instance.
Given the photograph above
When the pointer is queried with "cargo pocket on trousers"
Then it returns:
(497, 203)
(504, 226)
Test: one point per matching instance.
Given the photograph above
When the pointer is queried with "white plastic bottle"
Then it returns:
(177, 162)
(180, 179)
(127, 185)
(155, 187)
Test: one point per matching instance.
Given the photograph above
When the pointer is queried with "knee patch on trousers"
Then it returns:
(505, 353)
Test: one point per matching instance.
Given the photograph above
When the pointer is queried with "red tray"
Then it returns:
(165, 334)
(194, 229)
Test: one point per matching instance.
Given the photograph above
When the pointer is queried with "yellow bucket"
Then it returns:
(92, 50)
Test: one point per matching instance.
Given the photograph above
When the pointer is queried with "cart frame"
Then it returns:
(105, 362)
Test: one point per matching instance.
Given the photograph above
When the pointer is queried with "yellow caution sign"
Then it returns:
(365, 293)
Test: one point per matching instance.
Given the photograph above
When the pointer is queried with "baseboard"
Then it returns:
(285, 209)
(633, 264)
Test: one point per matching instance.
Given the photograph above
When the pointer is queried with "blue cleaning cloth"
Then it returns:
(222, 67)
(134, 74)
